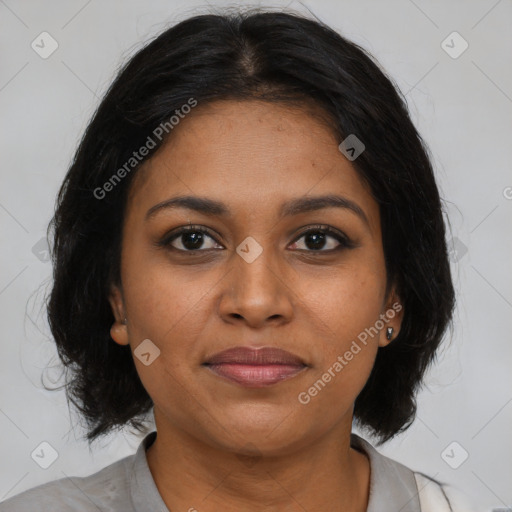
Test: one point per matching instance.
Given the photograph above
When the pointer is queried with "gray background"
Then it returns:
(462, 106)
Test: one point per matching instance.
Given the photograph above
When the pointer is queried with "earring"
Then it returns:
(125, 320)
(389, 333)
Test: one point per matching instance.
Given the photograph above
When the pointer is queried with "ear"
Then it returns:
(119, 329)
(392, 317)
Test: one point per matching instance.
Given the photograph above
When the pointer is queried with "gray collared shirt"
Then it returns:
(128, 486)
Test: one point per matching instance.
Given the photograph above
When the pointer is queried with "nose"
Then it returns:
(256, 293)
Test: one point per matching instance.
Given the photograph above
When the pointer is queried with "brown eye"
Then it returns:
(323, 239)
(190, 238)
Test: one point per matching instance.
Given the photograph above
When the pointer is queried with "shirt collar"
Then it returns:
(392, 485)
(143, 490)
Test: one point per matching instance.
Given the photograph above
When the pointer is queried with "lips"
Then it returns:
(255, 356)
(252, 367)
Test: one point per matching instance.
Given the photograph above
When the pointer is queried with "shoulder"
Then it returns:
(394, 486)
(107, 490)
(438, 497)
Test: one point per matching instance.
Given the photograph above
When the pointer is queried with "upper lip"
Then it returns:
(255, 356)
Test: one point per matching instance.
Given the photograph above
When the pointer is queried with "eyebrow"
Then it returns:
(289, 208)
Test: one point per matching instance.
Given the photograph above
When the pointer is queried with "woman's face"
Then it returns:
(256, 278)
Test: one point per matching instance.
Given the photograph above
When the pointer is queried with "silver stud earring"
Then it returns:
(389, 333)
(125, 320)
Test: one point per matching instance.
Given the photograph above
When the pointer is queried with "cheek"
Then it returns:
(164, 304)
(344, 302)
(345, 308)
(167, 308)
(170, 305)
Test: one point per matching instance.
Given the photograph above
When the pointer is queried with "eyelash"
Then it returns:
(345, 242)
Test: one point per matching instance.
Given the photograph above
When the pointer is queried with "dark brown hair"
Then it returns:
(275, 56)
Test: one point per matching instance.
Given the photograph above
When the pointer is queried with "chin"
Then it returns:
(271, 435)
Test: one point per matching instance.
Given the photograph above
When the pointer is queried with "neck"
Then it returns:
(193, 475)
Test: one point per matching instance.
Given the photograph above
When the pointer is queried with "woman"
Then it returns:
(249, 244)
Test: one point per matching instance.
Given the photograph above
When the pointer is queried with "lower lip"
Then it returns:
(256, 376)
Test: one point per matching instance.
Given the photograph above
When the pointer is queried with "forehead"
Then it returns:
(251, 154)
